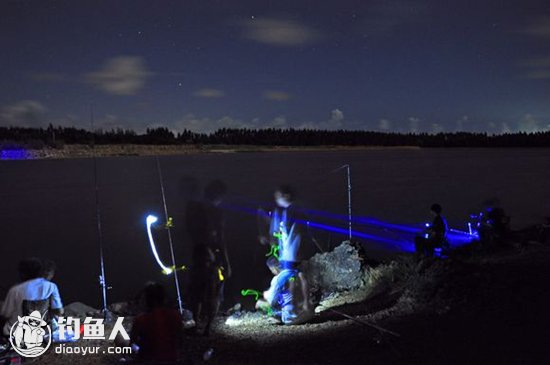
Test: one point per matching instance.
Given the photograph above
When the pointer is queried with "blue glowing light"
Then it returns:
(393, 236)
(404, 245)
(364, 221)
(149, 221)
(404, 232)
(14, 154)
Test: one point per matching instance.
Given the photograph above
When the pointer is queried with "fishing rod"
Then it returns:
(170, 242)
(363, 322)
(348, 173)
(102, 278)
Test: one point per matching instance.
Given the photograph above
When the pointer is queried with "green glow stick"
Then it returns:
(246, 292)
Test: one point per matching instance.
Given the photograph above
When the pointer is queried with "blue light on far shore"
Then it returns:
(14, 154)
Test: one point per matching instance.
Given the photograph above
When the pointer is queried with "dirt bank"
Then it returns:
(490, 309)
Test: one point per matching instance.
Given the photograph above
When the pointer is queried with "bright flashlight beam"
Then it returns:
(151, 219)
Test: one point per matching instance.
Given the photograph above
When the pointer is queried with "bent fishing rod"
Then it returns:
(170, 242)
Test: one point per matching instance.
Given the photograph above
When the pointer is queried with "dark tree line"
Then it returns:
(59, 136)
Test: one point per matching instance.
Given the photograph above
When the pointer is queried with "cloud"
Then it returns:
(536, 68)
(530, 124)
(539, 27)
(538, 74)
(279, 32)
(110, 121)
(437, 128)
(335, 122)
(460, 124)
(278, 122)
(336, 116)
(384, 125)
(123, 75)
(505, 128)
(208, 125)
(275, 95)
(414, 124)
(26, 113)
(209, 93)
(539, 62)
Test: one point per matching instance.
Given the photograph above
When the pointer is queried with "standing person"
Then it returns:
(210, 260)
(285, 227)
(158, 330)
(434, 235)
(35, 292)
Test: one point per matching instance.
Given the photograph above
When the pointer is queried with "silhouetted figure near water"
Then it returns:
(499, 223)
(434, 235)
(493, 226)
(210, 260)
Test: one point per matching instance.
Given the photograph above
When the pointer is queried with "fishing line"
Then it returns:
(363, 322)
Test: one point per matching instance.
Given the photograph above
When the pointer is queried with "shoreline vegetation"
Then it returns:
(133, 150)
(70, 142)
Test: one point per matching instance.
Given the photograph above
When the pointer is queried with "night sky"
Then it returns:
(427, 65)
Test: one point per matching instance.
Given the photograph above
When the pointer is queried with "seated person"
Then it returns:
(435, 234)
(35, 289)
(158, 331)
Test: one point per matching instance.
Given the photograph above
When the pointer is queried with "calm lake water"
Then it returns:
(48, 205)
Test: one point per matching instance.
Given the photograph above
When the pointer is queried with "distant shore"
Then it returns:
(86, 151)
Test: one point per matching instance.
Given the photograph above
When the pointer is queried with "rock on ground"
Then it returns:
(78, 309)
(340, 270)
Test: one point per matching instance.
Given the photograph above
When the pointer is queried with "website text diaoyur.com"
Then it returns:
(92, 350)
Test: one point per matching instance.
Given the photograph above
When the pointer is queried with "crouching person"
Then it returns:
(288, 293)
(287, 296)
(157, 333)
